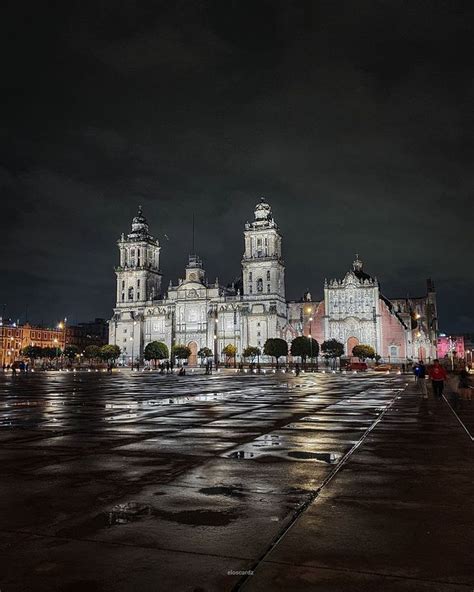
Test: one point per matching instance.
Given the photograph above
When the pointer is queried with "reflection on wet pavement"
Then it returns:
(155, 462)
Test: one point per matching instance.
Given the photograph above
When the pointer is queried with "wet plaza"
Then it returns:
(326, 482)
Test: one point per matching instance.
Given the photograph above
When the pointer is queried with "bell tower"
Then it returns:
(138, 274)
(262, 264)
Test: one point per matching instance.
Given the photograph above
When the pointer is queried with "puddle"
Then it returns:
(296, 455)
(223, 490)
(240, 454)
(198, 517)
(119, 514)
(327, 457)
(125, 513)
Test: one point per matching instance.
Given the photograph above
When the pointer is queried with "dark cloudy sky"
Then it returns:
(354, 119)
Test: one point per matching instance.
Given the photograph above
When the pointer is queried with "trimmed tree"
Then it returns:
(109, 353)
(156, 350)
(276, 348)
(50, 352)
(92, 352)
(180, 352)
(32, 352)
(203, 353)
(229, 352)
(332, 349)
(251, 352)
(304, 347)
(363, 352)
(70, 352)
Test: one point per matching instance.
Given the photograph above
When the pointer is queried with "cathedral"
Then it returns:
(200, 314)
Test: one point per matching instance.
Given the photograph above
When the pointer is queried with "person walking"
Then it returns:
(438, 375)
(415, 372)
(464, 386)
(421, 376)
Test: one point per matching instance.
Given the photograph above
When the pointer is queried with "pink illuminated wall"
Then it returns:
(446, 344)
(393, 334)
(317, 325)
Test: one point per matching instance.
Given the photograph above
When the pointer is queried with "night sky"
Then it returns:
(354, 119)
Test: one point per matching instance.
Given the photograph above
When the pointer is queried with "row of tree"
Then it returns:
(302, 347)
(106, 353)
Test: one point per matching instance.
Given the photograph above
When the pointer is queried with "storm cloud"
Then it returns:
(353, 119)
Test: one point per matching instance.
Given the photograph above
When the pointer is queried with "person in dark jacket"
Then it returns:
(464, 386)
(421, 375)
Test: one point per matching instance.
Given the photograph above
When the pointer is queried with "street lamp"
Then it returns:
(308, 311)
(57, 350)
(62, 327)
(11, 353)
(469, 353)
(132, 339)
(451, 352)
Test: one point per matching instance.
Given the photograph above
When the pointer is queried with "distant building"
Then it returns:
(10, 342)
(355, 311)
(451, 346)
(14, 338)
(200, 314)
(94, 332)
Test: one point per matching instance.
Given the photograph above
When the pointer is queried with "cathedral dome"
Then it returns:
(263, 211)
(139, 224)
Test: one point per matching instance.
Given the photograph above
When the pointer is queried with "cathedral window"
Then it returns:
(123, 284)
(250, 289)
(259, 285)
(130, 293)
(123, 296)
(250, 276)
(268, 275)
(138, 295)
(268, 287)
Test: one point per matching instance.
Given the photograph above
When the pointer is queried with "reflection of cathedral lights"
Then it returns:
(253, 308)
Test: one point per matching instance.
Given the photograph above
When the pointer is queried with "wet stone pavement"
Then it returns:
(142, 482)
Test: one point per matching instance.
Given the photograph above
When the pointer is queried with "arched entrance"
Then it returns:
(192, 360)
(351, 342)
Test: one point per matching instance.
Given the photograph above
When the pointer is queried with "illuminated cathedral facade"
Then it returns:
(200, 314)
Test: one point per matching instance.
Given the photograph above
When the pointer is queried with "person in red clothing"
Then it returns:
(438, 376)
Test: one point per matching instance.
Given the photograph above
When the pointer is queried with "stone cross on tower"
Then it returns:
(357, 263)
